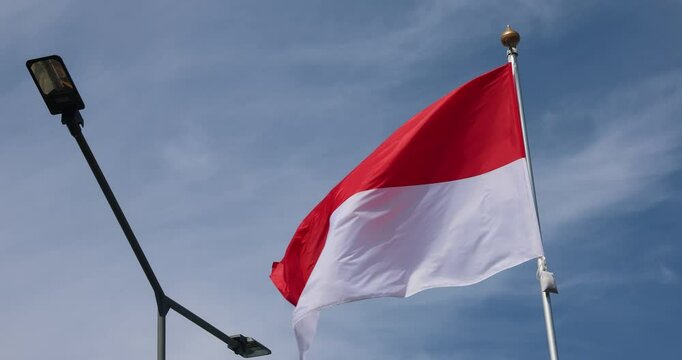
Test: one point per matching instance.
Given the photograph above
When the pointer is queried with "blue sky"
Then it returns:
(220, 124)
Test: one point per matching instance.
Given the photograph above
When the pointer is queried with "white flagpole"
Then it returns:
(510, 38)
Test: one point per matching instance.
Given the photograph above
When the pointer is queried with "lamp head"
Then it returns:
(249, 347)
(55, 84)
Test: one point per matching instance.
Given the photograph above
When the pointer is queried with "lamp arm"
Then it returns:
(233, 344)
(74, 122)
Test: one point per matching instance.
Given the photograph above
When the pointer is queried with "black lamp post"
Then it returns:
(61, 96)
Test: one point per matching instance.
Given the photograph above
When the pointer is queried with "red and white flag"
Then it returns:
(444, 201)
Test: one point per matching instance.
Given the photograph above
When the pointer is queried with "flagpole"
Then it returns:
(510, 38)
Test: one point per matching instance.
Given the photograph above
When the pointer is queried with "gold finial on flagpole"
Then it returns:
(510, 38)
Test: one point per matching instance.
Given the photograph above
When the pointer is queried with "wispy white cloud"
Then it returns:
(26, 20)
(626, 162)
(668, 275)
(434, 27)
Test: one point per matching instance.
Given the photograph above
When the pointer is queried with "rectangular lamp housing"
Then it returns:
(55, 84)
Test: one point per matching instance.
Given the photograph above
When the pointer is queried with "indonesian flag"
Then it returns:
(444, 201)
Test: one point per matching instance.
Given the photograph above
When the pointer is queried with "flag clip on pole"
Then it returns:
(510, 39)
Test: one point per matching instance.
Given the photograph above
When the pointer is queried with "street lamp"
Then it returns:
(61, 97)
(55, 84)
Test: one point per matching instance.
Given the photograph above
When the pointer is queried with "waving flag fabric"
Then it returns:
(444, 201)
